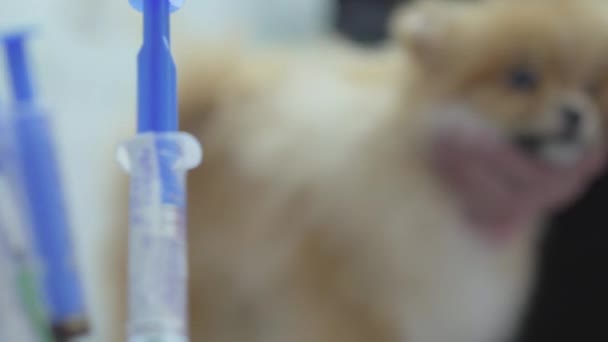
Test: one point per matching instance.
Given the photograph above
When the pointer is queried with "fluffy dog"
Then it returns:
(316, 215)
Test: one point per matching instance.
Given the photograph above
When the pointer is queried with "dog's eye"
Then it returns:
(524, 79)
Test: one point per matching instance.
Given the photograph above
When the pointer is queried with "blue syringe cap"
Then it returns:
(21, 83)
(139, 4)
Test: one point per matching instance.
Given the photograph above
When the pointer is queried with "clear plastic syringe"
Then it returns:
(23, 311)
(158, 159)
(44, 203)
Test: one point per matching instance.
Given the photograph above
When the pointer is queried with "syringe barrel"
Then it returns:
(43, 197)
(158, 163)
(23, 310)
(48, 218)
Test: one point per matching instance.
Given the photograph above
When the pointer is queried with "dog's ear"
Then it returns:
(426, 28)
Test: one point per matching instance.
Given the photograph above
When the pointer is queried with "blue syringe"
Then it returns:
(23, 313)
(43, 197)
(158, 159)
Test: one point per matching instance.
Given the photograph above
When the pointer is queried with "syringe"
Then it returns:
(23, 311)
(158, 159)
(43, 197)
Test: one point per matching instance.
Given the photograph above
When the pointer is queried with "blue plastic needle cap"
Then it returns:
(139, 4)
(21, 83)
(157, 83)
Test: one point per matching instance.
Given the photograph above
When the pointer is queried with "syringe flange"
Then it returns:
(139, 4)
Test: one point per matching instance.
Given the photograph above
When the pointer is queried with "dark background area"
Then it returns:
(571, 299)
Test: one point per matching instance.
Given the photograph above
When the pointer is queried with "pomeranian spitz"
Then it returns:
(317, 217)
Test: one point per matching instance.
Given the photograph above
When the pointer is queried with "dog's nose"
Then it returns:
(530, 144)
(571, 120)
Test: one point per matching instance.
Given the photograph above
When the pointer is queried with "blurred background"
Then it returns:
(84, 66)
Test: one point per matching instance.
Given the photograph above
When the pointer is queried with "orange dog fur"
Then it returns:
(316, 215)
